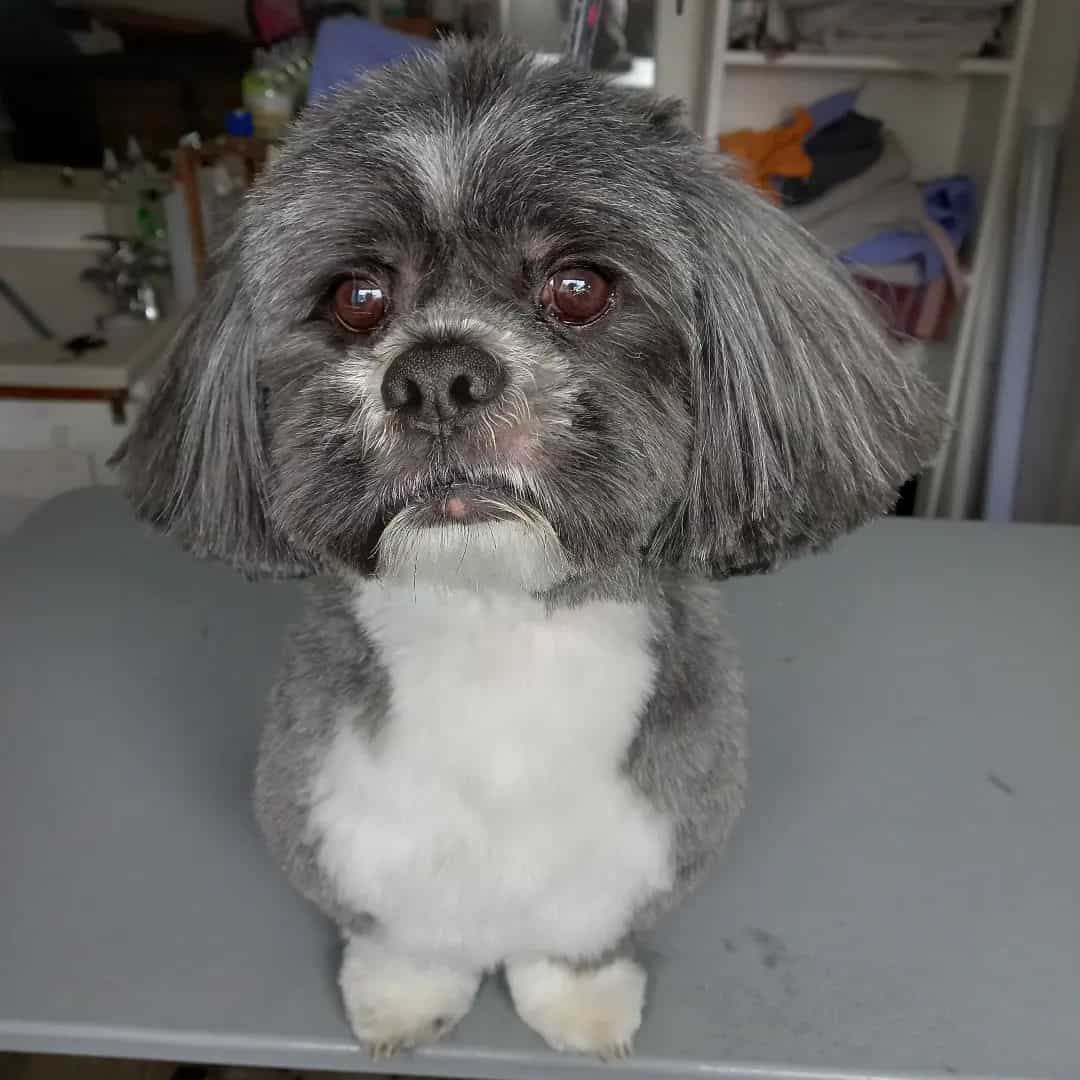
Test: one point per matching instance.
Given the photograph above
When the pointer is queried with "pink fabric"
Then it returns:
(276, 19)
(921, 312)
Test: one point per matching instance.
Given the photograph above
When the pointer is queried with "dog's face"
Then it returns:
(474, 289)
(475, 319)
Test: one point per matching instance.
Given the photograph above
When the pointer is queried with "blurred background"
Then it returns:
(929, 143)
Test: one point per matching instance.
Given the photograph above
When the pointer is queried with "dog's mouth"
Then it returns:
(454, 499)
(461, 503)
(457, 499)
(480, 530)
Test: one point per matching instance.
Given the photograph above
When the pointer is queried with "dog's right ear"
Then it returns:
(807, 419)
(196, 463)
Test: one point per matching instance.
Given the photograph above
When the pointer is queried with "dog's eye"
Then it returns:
(576, 296)
(358, 305)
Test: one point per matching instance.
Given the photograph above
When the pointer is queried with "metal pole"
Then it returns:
(1035, 203)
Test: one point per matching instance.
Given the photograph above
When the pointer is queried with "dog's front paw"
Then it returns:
(394, 1002)
(592, 1011)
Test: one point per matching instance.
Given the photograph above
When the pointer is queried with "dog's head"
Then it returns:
(476, 289)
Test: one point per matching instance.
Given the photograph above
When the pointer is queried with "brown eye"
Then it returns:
(576, 296)
(358, 305)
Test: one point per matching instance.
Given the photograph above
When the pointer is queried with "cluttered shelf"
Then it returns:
(822, 61)
(945, 37)
(849, 179)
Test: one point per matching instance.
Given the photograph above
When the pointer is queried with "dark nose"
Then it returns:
(441, 382)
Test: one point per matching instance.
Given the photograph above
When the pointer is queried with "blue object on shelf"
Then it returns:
(239, 122)
(348, 45)
(950, 203)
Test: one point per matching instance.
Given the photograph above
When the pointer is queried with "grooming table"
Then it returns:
(902, 896)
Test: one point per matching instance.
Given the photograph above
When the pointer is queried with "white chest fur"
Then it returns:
(490, 817)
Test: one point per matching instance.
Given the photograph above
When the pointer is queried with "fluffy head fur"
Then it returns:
(737, 403)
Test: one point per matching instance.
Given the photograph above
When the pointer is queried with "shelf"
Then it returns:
(795, 61)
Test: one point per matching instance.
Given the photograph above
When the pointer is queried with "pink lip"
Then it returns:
(458, 507)
(462, 504)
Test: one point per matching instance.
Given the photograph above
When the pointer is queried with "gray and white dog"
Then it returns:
(518, 370)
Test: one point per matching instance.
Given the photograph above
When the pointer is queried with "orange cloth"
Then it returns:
(777, 151)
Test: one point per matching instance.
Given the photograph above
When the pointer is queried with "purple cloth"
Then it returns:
(898, 245)
(950, 202)
(348, 45)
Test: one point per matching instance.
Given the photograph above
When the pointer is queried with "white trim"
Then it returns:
(744, 58)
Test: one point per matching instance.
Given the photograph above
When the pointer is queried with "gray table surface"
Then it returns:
(902, 896)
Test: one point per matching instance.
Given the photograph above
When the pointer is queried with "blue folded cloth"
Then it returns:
(896, 246)
(348, 45)
(949, 202)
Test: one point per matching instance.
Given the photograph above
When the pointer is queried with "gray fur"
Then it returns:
(331, 671)
(690, 753)
(737, 405)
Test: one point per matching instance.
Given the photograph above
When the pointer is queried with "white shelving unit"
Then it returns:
(962, 120)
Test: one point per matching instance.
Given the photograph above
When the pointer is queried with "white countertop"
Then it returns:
(115, 366)
(43, 254)
(41, 209)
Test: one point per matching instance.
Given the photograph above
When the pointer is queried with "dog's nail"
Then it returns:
(381, 1051)
(619, 1052)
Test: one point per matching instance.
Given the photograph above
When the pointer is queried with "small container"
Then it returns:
(270, 98)
(239, 124)
(235, 147)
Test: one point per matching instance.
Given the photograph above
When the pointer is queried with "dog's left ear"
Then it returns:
(806, 419)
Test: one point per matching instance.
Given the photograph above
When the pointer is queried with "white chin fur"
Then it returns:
(520, 554)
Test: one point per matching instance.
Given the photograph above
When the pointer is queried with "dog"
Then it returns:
(516, 371)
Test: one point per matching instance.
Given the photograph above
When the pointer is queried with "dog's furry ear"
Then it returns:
(807, 420)
(195, 464)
